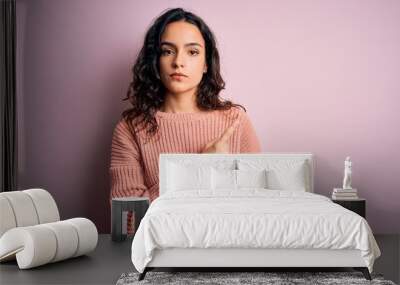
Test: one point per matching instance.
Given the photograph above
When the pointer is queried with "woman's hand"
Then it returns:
(220, 144)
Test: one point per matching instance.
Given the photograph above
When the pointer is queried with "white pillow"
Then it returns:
(188, 177)
(236, 179)
(252, 178)
(223, 179)
(290, 179)
(288, 174)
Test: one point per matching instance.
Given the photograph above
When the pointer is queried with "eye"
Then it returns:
(194, 52)
(166, 51)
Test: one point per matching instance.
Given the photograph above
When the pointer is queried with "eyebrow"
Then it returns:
(188, 44)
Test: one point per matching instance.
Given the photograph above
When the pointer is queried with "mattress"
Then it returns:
(250, 218)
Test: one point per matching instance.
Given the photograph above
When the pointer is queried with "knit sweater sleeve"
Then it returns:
(249, 142)
(126, 171)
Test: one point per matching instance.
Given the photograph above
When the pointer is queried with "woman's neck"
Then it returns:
(180, 103)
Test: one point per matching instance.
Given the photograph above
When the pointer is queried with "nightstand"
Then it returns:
(138, 205)
(357, 206)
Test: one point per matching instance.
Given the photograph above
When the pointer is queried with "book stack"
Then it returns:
(344, 194)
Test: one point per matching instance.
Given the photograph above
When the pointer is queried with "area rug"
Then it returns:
(269, 278)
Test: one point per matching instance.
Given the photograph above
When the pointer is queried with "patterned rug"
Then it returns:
(269, 278)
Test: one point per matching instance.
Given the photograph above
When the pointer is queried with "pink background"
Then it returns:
(315, 76)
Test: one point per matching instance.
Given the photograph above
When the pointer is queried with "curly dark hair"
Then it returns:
(146, 91)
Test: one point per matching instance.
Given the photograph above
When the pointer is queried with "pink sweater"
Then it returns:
(134, 165)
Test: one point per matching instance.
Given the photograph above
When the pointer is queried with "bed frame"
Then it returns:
(237, 258)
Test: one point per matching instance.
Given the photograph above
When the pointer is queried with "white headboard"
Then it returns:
(214, 157)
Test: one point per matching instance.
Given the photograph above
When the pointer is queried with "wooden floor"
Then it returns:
(110, 260)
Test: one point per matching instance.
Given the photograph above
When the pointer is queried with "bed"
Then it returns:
(247, 210)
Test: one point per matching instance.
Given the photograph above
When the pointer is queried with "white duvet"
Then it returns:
(250, 218)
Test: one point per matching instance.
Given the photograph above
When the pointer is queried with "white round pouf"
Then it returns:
(23, 208)
(67, 239)
(88, 235)
(26, 208)
(33, 246)
(6, 215)
(46, 207)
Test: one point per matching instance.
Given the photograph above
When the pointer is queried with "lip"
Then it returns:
(177, 74)
(177, 77)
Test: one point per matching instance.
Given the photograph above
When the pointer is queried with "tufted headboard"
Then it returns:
(232, 161)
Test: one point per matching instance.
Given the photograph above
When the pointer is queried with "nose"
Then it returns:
(178, 60)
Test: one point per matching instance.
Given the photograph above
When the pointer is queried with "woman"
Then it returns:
(176, 106)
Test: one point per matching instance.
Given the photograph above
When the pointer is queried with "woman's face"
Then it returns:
(182, 51)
